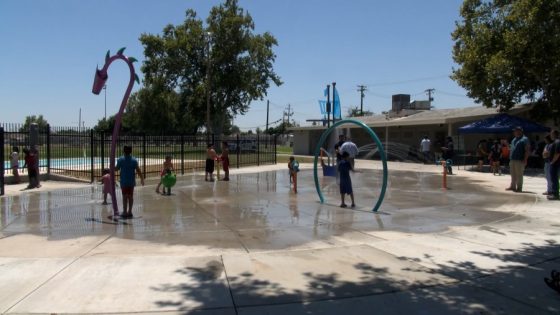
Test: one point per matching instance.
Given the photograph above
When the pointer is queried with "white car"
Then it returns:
(244, 145)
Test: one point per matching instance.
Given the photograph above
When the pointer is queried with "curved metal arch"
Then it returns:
(325, 135)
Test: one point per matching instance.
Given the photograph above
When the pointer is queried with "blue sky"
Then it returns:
(50, 50)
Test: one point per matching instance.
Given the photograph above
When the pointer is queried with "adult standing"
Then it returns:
(547, 157)
(128, 165)
(426, 145)
(519, 154)
(554, 165)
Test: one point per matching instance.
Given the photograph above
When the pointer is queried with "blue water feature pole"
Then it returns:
(372, 134)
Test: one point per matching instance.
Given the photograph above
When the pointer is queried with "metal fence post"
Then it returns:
(237, 149)
(2, 192)
(91, 153)
(144, 154)
(258, 151)
(102, 134)
(275, 149)
(48, 151)
(182, 155)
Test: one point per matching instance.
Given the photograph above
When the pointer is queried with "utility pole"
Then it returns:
(289, 113)
(328, 106)
(208, 125)
(334, 102)
(362, 89)
(430, 98)
(267, 107)
(105, 89)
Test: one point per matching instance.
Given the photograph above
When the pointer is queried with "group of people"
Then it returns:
(494, 152)
(517, 153)
(129, 168)
(31, 162)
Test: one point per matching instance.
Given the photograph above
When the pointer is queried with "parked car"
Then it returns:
(244, 145)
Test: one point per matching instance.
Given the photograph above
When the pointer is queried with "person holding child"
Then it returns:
(167, 167)
(344, 168)
(210, 157)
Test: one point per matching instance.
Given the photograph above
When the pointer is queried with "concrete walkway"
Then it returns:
(250, 246)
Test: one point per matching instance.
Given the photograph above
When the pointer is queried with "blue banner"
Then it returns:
(336, 101)
(336, 108)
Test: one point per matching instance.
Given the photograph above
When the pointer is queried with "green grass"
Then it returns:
(282, 149)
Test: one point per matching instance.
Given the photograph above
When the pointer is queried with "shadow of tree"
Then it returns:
(503, 290)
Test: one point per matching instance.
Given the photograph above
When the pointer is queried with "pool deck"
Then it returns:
(251, 246)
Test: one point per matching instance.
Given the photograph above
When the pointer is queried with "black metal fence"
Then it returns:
(84, 153)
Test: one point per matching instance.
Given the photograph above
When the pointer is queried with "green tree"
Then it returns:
(39, 120)
(356, 112)
(153, 109)
(508, 52)
(225, 59)
(235, 130)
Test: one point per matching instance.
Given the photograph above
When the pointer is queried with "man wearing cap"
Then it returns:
(519, 154)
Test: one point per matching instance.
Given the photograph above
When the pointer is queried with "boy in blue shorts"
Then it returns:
(128, 165)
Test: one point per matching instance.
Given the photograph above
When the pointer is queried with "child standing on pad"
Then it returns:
(128, 165)
(293, 167)
(225, 160)
(14, 164)
(344, 168)
(106, 181)
(167, 167)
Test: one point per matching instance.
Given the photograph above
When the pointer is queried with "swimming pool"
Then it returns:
(65, 162)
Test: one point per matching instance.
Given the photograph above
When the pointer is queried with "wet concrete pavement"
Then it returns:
(251, 246)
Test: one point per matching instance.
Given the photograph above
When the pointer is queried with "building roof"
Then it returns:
(427, 117)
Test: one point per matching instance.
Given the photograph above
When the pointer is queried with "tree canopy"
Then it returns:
(508, 52)
(225, 58)
(39, 120)
(354, 111)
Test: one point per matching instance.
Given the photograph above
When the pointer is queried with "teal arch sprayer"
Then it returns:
(372, 134)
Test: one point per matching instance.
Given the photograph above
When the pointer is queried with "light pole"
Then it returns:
(208, 126)
(105, 89)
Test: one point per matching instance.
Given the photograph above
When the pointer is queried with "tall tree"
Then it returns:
(225, 59)
(509, 52)
(34, 119)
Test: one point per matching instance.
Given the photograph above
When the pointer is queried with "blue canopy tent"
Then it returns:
(501, 123)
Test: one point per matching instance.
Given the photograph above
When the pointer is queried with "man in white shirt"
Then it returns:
(425, 145)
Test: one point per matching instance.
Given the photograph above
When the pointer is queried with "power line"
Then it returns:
(411, 80)
(452, 94)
